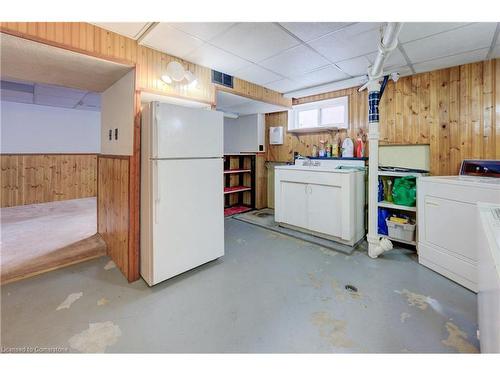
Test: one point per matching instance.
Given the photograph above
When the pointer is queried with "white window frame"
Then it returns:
(293, 115)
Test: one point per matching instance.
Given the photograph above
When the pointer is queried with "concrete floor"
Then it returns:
(269, 293)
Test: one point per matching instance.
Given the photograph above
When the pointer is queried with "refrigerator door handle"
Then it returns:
(156, 192)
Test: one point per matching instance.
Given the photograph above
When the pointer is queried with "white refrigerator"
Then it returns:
(182, 197)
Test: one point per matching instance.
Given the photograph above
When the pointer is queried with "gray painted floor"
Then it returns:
(269, 293)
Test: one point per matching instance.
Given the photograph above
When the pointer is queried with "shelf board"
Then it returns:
(236, 189)
(227, 171)
(414, 243)
(396, 206)
(401, 174)
(233, 210)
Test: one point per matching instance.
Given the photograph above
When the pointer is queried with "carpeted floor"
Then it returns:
(46, 236)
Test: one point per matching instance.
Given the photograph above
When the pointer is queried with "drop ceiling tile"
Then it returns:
(256, 74)
(312, 30)
(56, 101)
(58, 91)
(467, 38)
(255, 41)
(320, 76)
(445, 62)
(394, 59)
(225, 99)
(283, 85)
(417, 30)
(170, 40)
(215, 58)
(295, 61)
(496, 52)
(355, 67)
(130, 29)
(16, 96)
(353, 41)
(92, 99)
(202, 30)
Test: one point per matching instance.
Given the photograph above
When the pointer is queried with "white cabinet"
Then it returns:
(325, 209)
(327, 203)
(294, 203)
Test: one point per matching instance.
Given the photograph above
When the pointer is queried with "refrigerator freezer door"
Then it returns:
(188, 217)
(182, 132)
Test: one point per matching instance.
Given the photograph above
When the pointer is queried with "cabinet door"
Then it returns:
(294, 203)
(325, 209)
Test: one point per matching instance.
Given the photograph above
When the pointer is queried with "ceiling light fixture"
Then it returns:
(176, 73)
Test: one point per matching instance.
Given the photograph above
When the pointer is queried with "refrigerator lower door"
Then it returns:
(188, 217)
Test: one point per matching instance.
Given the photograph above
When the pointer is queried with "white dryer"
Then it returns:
(447, 219)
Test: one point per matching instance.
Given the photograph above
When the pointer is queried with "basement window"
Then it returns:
(328, 114)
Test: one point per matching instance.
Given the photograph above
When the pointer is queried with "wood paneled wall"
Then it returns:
(40, 178)
(151, 64)
(455, 110)
(113, 208)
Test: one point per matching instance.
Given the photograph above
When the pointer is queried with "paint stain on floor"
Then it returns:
(96, 338)
(404, 316)
(315, 282)
(339, 292)
(110, 265)
(414, 299)
(457, 339)
(103, 301)
(241, 241)
(332, 329)
(66, 304)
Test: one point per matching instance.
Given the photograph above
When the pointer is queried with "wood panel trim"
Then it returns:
(68, 47)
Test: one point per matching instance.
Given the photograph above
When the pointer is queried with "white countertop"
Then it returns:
(313, 168)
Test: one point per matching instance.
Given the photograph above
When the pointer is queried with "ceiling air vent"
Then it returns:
(222, 79)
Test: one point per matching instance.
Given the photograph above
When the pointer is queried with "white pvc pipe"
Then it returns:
(386, 45)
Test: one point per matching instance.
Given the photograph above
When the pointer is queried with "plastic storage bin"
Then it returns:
(404, 232)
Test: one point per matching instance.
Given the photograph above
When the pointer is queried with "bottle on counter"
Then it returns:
(328, 150)
(322, 149)
(315, 151)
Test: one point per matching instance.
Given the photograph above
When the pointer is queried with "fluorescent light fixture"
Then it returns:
(327, 87)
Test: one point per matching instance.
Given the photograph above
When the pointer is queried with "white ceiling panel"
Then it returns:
(417, 30)
(284, 85)
(226, 99)
(468, 38)
(312, 30)
(16, 96)
(355, 67)
(295, 61)
(170, 40)
(130, 29)
(215, 58)
(353, 41)
(255, 41)
(445, 62)
(202, 30)
(58, 91)
(56, 101)
(256, 74)
(323, 75)
(395, 59)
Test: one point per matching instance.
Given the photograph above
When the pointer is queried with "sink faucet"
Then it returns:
(307, 162)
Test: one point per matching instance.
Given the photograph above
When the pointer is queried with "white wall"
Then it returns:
(117, 112)
(31, 128)
(243, 134)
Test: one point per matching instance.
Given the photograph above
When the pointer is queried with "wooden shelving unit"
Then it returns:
(239, 183)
